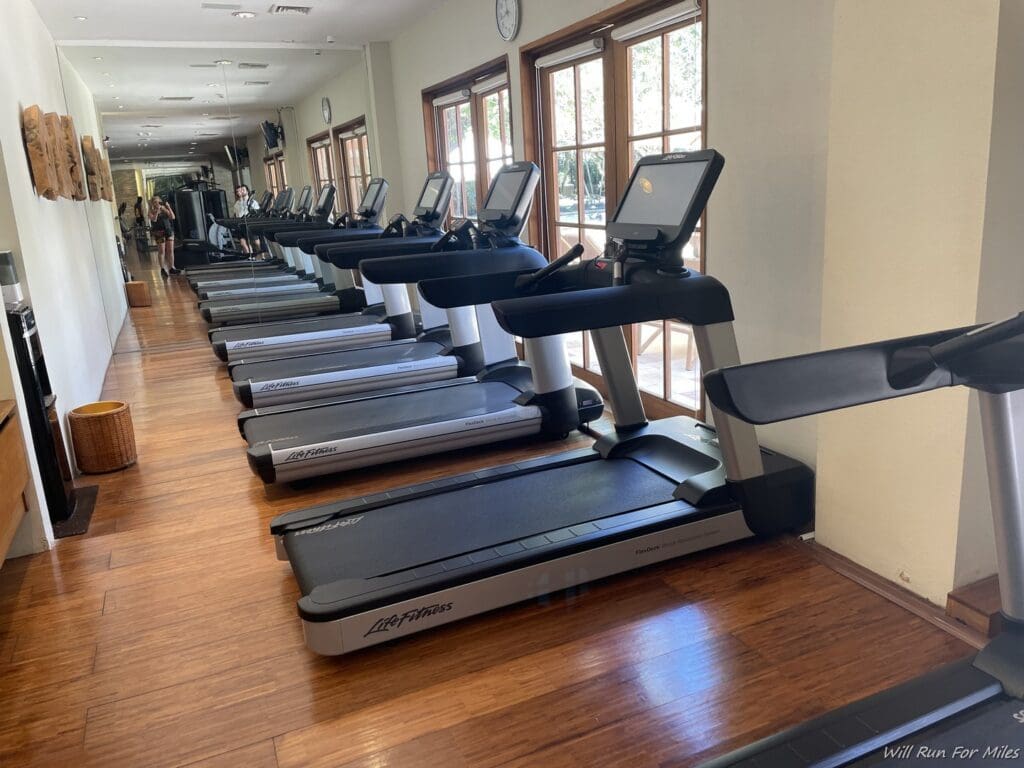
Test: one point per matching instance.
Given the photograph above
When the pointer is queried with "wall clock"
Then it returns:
(507, 15)
(325, 105)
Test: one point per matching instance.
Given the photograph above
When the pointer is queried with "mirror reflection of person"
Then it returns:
(161, 222)
(244, 206)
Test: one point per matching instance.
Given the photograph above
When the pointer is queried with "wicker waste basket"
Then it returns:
(102, 436)
(138, 294)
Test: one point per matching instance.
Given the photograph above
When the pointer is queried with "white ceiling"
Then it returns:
(141, 50)
(137, 78)
(352, 22)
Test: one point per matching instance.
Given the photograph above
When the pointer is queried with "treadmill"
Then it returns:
(292, 279)
(244, 305)
(503, 401)
(377, 568)
(436, 354)
(282, 207)
(977, 703)
(387, 318)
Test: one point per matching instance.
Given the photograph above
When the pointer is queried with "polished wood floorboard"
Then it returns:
(167, 635)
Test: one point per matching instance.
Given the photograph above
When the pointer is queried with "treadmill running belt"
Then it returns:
(305, 326)
(381, 414)
(345, 360)
(990, 734)
(448, 524)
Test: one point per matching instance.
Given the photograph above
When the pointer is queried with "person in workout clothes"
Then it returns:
(244, 206)
(161, 222)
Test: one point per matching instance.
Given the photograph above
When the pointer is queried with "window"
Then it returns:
(469, 132)
(601, 101)
(273, 180)
(575, 156)
(665, 88)
(321, 163)
(354, 161)
(277, 176)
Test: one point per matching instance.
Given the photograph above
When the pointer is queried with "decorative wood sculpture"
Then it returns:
(92, 167)
(73, 152)
(44, 174)
(55, 136)
(106, 178)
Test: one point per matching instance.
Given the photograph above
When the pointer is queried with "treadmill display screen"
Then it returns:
(503, 194)
(322, 200)
(430, 194)
(661, 194)
(370, 195)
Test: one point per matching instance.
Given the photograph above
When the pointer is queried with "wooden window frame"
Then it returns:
(536, 116)
(465, 81)
(341, 161)
(313, 144)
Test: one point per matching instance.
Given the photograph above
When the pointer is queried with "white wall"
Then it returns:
(66, 250)
(908, 171)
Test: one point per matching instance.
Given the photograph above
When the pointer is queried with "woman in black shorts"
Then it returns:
(161, 220)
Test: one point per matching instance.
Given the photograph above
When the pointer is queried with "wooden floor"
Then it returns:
(167, 636)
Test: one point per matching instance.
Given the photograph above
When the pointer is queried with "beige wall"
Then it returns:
(768, 115)
(906, 202)
(437, 48)
(349, 95)
(66, 250)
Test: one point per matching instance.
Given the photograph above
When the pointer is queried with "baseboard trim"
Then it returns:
(894, 593)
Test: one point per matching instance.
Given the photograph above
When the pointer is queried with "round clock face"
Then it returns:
(506, 13)
(326, 106)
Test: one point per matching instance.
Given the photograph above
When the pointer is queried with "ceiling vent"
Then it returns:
(176, 98)
(257, 82)
(220, 6)
(251, 65)
(290, 10)
(203, 66)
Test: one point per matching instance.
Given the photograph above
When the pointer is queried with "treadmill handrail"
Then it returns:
(349, 255)
(425, 266)
(448, 292)
(805, 385)
(581, 298)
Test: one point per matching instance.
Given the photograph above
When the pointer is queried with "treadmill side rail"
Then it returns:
(475, 596)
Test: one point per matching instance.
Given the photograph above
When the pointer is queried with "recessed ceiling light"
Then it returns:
(206, 114)
(97, 58)
(244, 15)
(106, 74)
(214, 85)
(81, 18)
(117, 98)
(224, 62)
(121, 106)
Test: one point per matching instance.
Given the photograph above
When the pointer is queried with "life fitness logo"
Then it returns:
(396, 620)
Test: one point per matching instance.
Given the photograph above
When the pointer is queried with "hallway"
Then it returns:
(167, 635)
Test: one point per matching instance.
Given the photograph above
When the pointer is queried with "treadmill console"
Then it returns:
(435, 198)
(509, 198)
(325, 203)
(664, 201)
(372, 203)
(305, 199)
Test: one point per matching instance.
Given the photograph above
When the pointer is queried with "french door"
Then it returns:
(603, 105)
